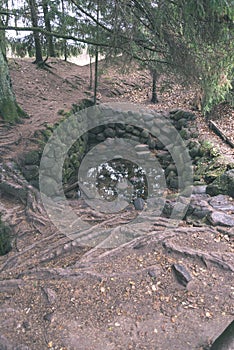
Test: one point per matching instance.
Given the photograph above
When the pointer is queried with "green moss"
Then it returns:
(5, 241)
(208, 149)
(61, 112)
(32, 158)
(11, 112)
(209, 168)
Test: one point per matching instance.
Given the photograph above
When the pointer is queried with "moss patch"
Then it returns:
(5, 241)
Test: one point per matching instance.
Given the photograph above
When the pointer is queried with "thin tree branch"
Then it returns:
(56, 35)
(122, 36)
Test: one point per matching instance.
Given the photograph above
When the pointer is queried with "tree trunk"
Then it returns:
(154, 98)
(63, 24)
(34, 19)
(90, 72)
(9, 110)
(96, 77)
(96, 59)
(49, 38)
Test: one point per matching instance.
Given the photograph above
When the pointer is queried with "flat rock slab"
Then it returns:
(218, 218)
(222, 202)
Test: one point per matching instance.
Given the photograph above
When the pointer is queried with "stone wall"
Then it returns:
(157, 135)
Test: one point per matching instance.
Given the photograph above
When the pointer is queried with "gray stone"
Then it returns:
(92, 136)
(143, 140)
(129, 128)
(168, 208)
(49, 152)
(189, 115)
(182, 123)
(171, 167)
(223, 184)
(199, 207)
(136, 132)
(149, 124)
(101, 137)
(120, 132)
(226, 339)
(49, 186)
(32, 158)
(182, 275)
(177, 115)
(155, 131)
(222, 202)
(141, 147)
(151, 143)
(159, 145)
(30, 172)
(164, 156)
(98, 129)
(139, 203)
(117, 157)
(148, 117)
(201, 189)
(145, 133)
(134, 137)
(153, 273)
(218, 218)
(195, 151)
(109, 132)
(120, 126)
(143, 154)
(172, 180)
(185, 134)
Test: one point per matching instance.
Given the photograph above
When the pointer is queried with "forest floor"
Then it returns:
(56, 294)
(43, 94)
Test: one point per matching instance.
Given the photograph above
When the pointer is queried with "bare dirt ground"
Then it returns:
(59, 295)
(42, 94)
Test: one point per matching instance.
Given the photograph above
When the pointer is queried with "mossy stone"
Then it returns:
(32, 158)
(5, 241)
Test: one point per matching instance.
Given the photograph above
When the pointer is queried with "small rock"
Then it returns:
(26, 325)
(182, 275)
(50, 295)
(199, 189)
(222, 202)
(152, 274)
(217, 218)
(143, 154)
(139, 203)
(48, 317)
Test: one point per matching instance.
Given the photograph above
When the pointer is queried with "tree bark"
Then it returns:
(49, 38)
(154, 98)
(96, 76)
(9, 110)
(63, 24)
(34, 19)
(96, 59)
(90, 72)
